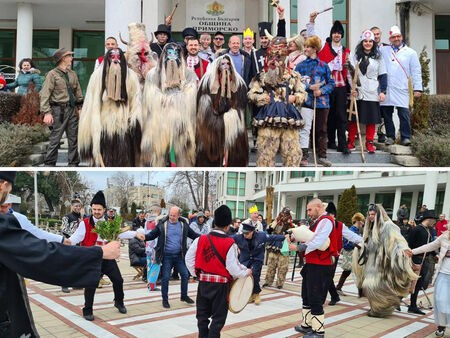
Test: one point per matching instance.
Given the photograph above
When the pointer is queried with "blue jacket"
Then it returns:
(349, 245)
(24, 79)
(259, 240)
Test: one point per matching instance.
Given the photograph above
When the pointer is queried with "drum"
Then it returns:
(303, 234)
(240, 293)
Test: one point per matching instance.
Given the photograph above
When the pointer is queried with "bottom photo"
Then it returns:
(273, 253)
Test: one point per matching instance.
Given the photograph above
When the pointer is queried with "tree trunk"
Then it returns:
(206, 189)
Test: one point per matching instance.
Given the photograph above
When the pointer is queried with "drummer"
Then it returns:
(318, 269)
(252, 246)
(215, 263)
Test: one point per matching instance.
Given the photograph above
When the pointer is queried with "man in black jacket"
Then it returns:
(136, 252)
(139, 221)
(23, 254)
(419, 236)
(172, 232)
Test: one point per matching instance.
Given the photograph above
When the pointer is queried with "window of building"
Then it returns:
(87, 46)
(45, 43)
(387, 201)
(332, 173)
(297, 174)
(294, 21)
(298, 209)
(442, 30)
(260, 206)
(419, 202)
(326, 198)
(363, 202)
(406, 198)
(439, 202)
(8, 53)
(232, 184)
(232, 206)
(340, 12)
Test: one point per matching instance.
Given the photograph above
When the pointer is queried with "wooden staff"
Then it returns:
(325, 10)
(173, 11)
(314, 133)
(355, 106)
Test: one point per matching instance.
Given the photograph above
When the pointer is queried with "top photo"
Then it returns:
(203, 83)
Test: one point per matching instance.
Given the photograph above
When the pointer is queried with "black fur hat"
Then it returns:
(337, 28)
(99, 198)
(222, 216)
(331, 208)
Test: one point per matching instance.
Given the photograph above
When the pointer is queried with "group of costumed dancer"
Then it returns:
(141, 110)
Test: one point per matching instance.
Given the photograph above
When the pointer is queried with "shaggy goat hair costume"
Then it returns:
(221, 134)
(169, 110)
(382, 271)
(109, 131)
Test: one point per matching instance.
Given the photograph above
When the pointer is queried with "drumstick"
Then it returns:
(325, 10)
(173, 10)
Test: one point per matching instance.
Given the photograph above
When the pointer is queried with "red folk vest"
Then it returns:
(100, 60)
(340, 242)
(206, 259)
(327, 54)
(324, 257)
(90, 238)
(200, 68)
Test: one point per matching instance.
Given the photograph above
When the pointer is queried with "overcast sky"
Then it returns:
(98, 178)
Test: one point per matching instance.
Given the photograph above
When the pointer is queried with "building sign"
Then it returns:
(210, 16)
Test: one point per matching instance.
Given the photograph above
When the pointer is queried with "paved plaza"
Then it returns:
(58, 314)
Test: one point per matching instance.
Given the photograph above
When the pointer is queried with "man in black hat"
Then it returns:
(187, 33)
(419, 236)
(252, 246)
(218, 42)
(86, 237)
(163, 36)
(23, 254)
(61, 101)
(213, 258)
(336, 55)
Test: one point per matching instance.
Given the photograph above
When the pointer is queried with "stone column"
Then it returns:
(118, 14)
(446, 205)
(286, 4)
(413, 210)
(430, 189)
(24, 37)
(398, 195)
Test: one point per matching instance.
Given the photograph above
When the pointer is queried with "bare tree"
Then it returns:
(190, 185)
(123, 182)
(71, 182)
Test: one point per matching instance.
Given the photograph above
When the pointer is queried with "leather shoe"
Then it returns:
(406, 142)
(334, 301)
(89, 317)
(187, 299)
(166, 304)
(65, 290)
(415, 310)
(280, 287)
(120, 307)
(302, 329)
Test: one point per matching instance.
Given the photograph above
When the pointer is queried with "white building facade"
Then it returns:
(36, 28)
(295, 188)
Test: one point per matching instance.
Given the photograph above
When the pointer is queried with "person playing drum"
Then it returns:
(252, 246)
(213, 258)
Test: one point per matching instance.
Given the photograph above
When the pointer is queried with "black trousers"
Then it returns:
(337, 117)
(109, 268)
(420, 282)
(316, 280)
(212, 302)
(332, 288)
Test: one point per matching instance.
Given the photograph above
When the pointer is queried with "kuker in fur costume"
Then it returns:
(221, 136)
(109, 131)
(169, 101)
(382, 270)
(276, 262)
(139, 56)
(278, 120)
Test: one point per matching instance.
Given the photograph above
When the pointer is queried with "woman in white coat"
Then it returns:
(402, 64)
(372, 89)
(441, 280)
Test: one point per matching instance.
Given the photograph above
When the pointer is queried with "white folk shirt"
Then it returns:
(25, 224)
(236, 269)
(369, 82)
(80, 233)
(322, 232)
(397, 93)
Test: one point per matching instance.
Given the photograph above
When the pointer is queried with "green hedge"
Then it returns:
(16, 142)
(9, 105)
(432, 147)
(439, 111)
(51, 222)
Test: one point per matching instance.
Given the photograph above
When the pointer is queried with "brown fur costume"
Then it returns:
(110, 130)
(169, 112)
(278, 120)
(382, 271)
(221, 129)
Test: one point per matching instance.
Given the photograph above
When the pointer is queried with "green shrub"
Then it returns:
(439, 111)
(432, 147)
(9, 105)
(16, 142)
(347, 206)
